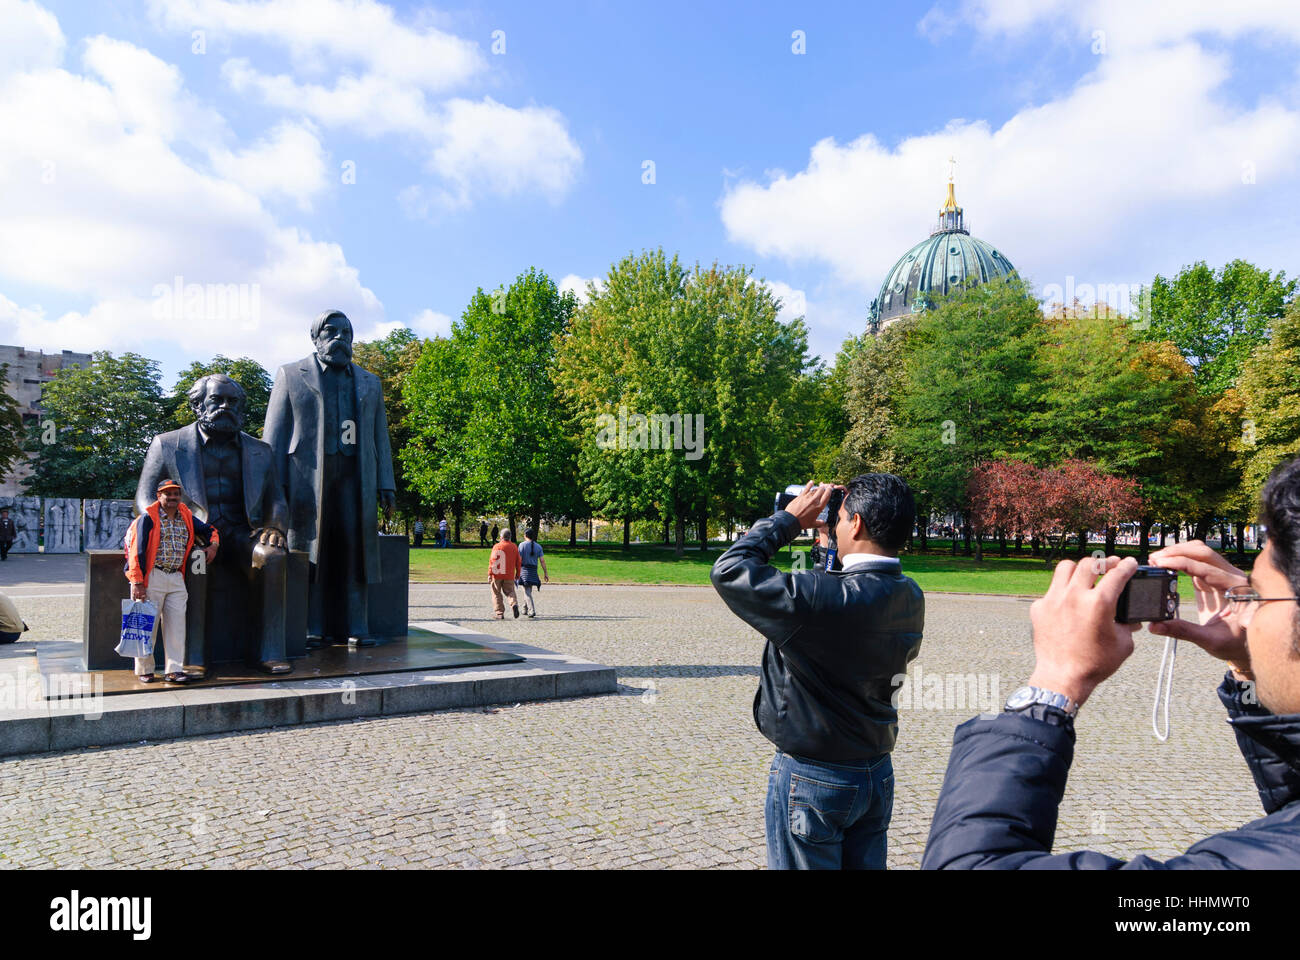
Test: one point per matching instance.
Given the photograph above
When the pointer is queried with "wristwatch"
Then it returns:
(1027, 696)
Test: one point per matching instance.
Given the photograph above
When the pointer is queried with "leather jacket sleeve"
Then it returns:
(1005, 780)
(769, 600)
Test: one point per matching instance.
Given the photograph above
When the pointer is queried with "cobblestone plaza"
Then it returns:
(668, 772)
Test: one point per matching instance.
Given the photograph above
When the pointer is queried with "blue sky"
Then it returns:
(1097, 143)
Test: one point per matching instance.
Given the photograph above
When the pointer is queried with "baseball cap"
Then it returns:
(167, 483)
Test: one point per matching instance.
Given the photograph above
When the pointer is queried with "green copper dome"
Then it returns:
(950, 258)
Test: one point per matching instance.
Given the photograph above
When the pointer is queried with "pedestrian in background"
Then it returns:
(530, 555)
(8, 533)
(496, 533)
(443, 540)
(503, 570)
(482, 533)
(12, 625)
(418, 530)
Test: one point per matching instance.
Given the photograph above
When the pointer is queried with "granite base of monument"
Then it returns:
(98, 720)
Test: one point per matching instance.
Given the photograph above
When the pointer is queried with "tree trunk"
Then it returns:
(1241, 541)
(458, 507)
(667, 535)
(979, 546)
(965, 533)
(573, 531)
(1035, 547)
(704, 530)
(1111, 532)
(591, 532)
(923, 520)
(513, 523)
(537, 521)
(1083, 543)
(1164, 534)
(627, 533)
(1144, 532)
(1202, 528)
(954, 541)
(680, 548)
(1178, 532)
(1002, 542)
(1020, 543)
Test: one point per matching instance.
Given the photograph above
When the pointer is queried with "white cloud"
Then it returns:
(31, 37)
(473, 147)
(98, 205)
(572, 283)
(794, 303)
(289, 163)
(1109, 177)
(430, 323)
(322, 34)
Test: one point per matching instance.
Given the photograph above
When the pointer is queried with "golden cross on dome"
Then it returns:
(952, 163)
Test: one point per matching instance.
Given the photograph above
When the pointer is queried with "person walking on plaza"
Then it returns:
(418, 530)
(8, 533)
(158, 544)
(482, 533)
(443, 539)
(530, 555)
(503, 570)
(496, 533)
(837, 644)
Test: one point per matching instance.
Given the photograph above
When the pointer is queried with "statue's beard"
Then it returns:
(223, 423)
(336, 354)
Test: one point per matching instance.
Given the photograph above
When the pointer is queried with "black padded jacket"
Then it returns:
(838, 645)
(1007, 773)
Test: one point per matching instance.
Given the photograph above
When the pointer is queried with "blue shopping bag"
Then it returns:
(139, 628)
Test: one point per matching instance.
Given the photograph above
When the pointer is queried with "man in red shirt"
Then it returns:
(503, 570)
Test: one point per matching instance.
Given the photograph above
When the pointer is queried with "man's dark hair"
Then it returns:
(530, 533)
(885, 504)
(1279, 512)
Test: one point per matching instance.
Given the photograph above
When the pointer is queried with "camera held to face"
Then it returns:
(1152, 594)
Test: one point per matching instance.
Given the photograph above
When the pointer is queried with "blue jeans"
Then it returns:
(828, 816)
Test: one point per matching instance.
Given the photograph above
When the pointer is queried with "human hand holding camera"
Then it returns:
(807, 507)
(1219, 633)
(1077, 642)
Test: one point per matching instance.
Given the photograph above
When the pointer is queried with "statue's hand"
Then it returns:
(388, 500)
(273, 537)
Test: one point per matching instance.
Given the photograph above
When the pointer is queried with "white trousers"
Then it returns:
(166, 591)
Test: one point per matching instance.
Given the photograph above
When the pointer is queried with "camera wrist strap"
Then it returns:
(1167, 681)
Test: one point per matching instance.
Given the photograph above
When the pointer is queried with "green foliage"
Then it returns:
(659, 341)
(1270, 409)
(104, 415)
(485, 417)
(11, 426)
(249, 374)
(391, 359)
(968, 388)
(1218, 319)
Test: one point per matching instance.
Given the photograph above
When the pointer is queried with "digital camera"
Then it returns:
(832, 506)
(1152, 594)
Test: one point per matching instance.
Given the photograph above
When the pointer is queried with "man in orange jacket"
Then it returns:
(158, 544)
(503, 571)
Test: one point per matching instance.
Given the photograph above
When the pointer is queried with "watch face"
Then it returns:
(1021, 698)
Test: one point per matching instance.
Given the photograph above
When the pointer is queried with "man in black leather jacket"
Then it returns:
(1007, 774)
(835, 643)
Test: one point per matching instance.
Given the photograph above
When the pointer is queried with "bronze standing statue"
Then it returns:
(326, 425)
(229, 479)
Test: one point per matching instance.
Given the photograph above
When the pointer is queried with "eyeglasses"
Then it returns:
(1246, 601)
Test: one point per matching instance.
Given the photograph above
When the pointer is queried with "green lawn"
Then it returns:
(936, 570)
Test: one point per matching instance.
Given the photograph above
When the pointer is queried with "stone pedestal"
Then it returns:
(388, 602)
(221, 610)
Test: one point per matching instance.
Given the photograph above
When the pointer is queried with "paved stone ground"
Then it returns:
(670, 772)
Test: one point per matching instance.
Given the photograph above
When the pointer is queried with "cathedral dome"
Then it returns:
(949, 259)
